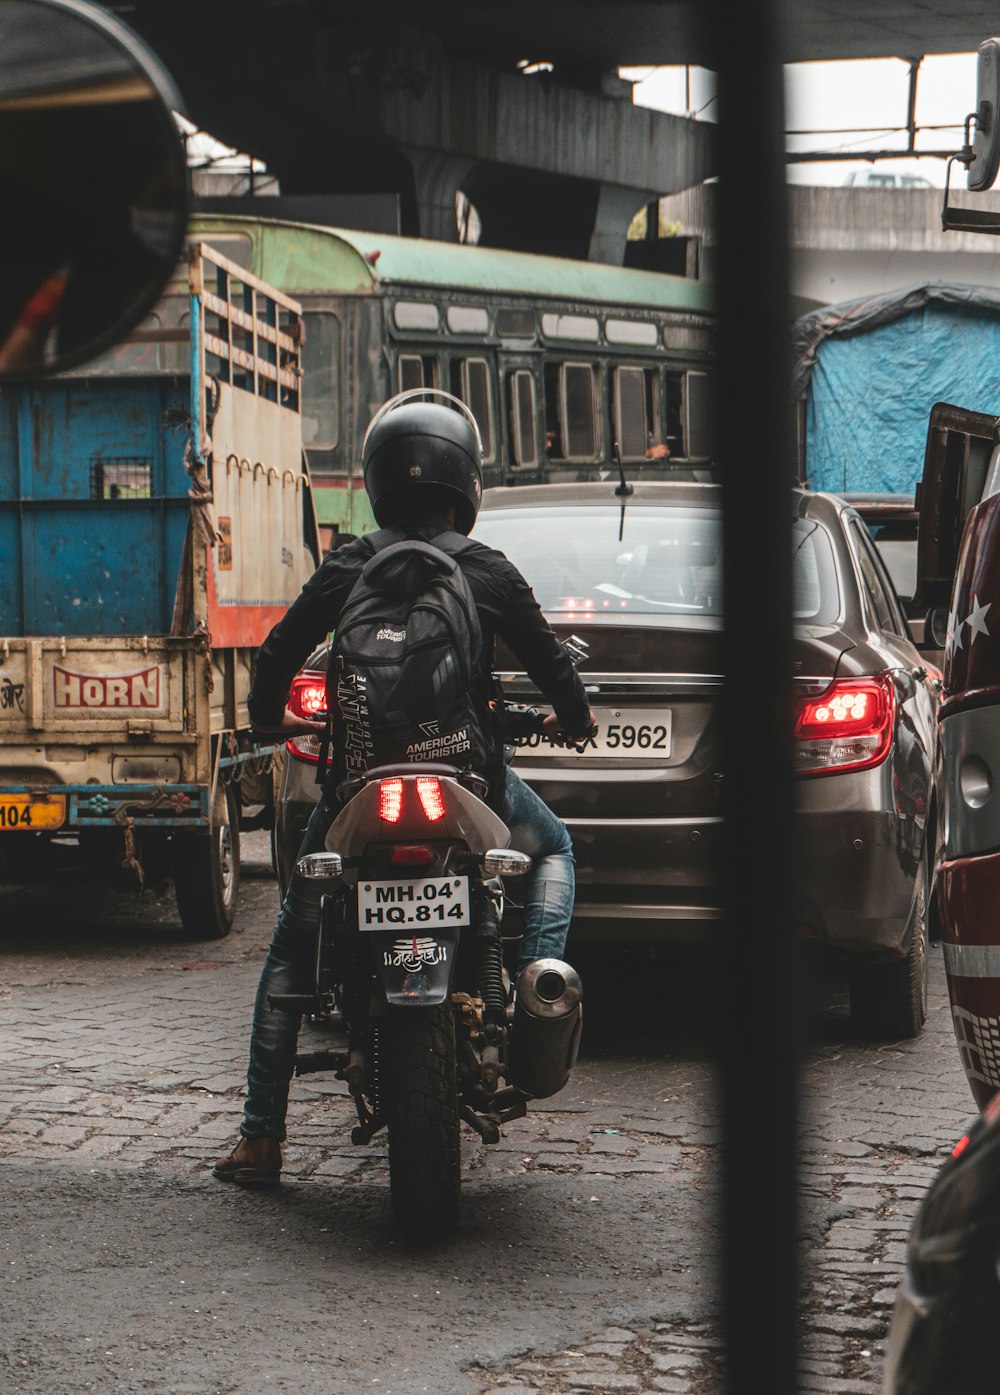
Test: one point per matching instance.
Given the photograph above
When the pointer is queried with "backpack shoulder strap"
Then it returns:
(385, 537)
(453, 543)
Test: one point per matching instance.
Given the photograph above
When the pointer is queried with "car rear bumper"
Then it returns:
(659, 879)
(646, 878)
(860, 848)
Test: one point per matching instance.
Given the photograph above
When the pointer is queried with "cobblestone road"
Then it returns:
(125, 1051)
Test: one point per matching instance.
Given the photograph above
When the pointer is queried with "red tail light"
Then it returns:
(429, 793)
(307, 697)
(411, 857)
(390, 800)
(848, 727)
(431, 797)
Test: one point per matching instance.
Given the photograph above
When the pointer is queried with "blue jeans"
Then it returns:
(289, 968)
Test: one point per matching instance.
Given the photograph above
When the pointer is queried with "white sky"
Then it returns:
(203, 148)
(870, 93)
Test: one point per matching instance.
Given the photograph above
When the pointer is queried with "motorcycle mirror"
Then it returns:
(982, 170)
(95, 180)
(936, 626)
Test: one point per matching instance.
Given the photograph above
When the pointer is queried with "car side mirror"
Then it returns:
(936, 627)
(95, 181)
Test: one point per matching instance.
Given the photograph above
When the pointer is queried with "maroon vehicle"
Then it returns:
(959, 566)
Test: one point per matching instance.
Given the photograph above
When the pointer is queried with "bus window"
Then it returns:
(577, 414)
(697, 418)
(417, 371)
(321, 381)
(553, 435)
(688, 424)
(521, 414)
(636, 411)
(674, 411)
(238, 247)
(513, 323)
(470, 380)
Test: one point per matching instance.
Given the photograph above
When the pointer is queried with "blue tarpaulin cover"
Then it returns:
(870, 371)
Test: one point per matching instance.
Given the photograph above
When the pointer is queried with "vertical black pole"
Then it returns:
(911, 105)
(760, 1038)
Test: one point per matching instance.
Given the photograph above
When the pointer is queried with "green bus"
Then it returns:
(560, 361)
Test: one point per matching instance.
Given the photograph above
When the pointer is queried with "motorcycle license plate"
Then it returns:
(411, 905)
(624, 732)
(27, 812)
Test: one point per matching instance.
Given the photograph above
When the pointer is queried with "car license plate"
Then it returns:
(413, 904)
(27, 812)
(627, 732)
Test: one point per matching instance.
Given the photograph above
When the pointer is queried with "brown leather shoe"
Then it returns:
(254, 1162)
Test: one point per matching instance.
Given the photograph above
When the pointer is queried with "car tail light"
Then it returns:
(431, 797)
(848, 727)
(306, 699)
(390, 800)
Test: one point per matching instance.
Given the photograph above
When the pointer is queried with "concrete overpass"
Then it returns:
(846, 243)
(425, 101)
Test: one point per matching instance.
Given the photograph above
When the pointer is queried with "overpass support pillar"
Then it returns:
(438, 176)
(616, 207)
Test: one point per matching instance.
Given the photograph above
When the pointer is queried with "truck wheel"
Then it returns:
(420, 1096)
(890, 1000)
(207, 872)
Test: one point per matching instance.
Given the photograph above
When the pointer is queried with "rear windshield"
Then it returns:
(669, 561)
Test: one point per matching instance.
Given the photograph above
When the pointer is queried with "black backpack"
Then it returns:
(406, 680)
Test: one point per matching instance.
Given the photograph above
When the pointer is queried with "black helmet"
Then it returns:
(411, 444)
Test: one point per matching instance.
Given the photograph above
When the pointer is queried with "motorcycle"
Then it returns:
(408, 897)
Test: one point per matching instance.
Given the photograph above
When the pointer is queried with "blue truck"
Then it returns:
(156, 519)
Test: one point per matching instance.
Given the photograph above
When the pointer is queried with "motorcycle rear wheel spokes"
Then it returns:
(420, 1099)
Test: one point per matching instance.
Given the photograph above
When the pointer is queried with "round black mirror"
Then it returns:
(936, 626)
(94, 178)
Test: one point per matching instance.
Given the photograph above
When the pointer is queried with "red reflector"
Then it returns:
(390, 800)
(412, 857)
(960, 1146)
(431, 797)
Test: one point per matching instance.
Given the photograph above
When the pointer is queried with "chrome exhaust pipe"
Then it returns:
(545, 1031)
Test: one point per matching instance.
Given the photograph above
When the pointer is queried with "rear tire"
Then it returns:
(420, 1094)
(890, 1000)
(207, 872)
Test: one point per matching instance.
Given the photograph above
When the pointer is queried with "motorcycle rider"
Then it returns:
(422, 465)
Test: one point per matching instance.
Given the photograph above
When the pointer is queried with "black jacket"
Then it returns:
(504, 600)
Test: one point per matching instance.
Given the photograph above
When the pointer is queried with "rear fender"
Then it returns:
(415, 969)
